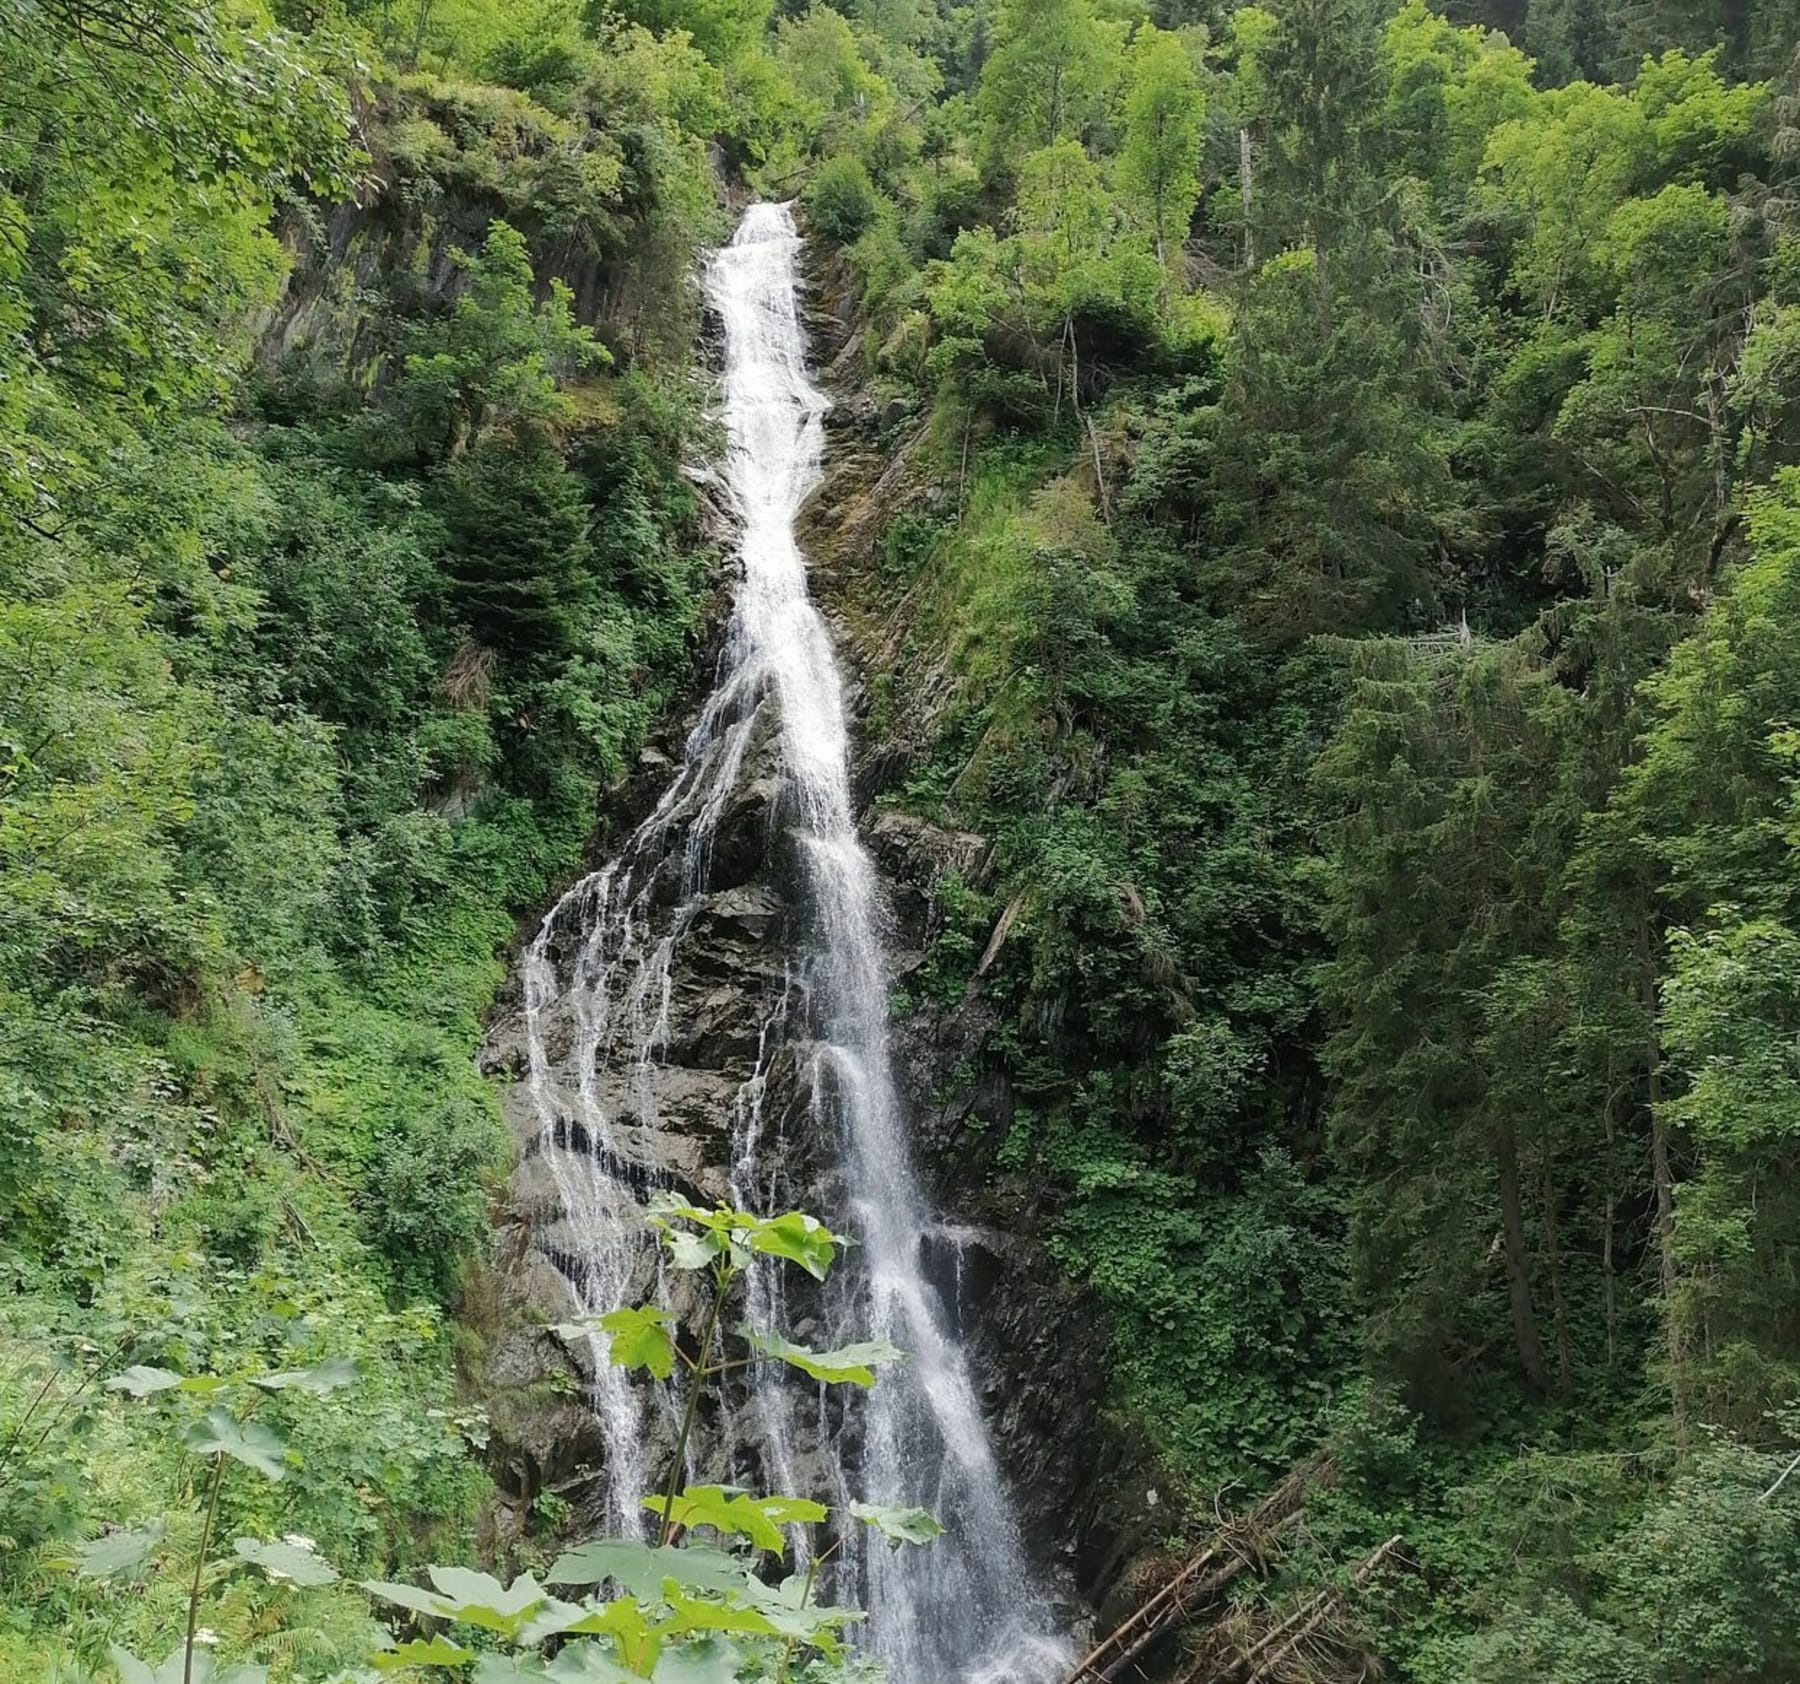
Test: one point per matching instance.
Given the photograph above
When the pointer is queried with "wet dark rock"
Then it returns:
(1036, 1345)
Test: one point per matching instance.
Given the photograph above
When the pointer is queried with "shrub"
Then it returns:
(841, 201)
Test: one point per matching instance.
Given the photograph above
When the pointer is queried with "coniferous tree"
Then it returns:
(516, 562)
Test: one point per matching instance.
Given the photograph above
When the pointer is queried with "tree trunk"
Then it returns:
(1662, 1177)
(1565, 1356)
(1518, 1275)
(1608, 1269)
(1246, 192)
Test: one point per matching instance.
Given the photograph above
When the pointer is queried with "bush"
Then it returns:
(841, 201)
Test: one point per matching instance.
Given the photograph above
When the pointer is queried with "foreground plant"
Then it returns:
(224, 1433)
(675, 1611)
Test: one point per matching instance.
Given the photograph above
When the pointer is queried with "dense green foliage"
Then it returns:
(1354, 608)
(1354, 581)
(309, 673)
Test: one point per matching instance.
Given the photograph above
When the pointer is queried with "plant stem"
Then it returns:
(193, 1621)
(95, 1367)
(693, 1405)
(24, 1422)
(812, 1574)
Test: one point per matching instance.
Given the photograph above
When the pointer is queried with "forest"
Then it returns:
(1349, 577)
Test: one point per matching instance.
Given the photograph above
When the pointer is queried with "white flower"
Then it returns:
(207, 1636)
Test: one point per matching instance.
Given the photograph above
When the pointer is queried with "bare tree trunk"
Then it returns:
(1608, 1270)
(962, 479)
(1518, 1274)
(1246, 192)
(1610, 1273)
(1099, 472)
(1565, 1356)
(1662, 1177)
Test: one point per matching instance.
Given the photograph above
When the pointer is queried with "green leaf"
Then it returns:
(204, 1385)
(118, 1552)
(579, 1663)
(220, 1433)
(710, 1661)
(588, 1663)
(475, 1599)
(798, 1237)
(793, 1235)
(175, 1670)
(328, 1376)
(142, 1381)
(786, 1607)
(736, 1514)
(899, 1525)
(415, 1597)
(481, 1600)
(286, 1561)
(508, 1669)
(621, 1618)
(437, 1651)
(130, 1669)
(643, 1569)
(849, 1364)
(692, 1613)
(693, 1251)
(665, 1206)
(640, 1338)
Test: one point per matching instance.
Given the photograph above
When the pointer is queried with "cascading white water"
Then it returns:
(962, 1611)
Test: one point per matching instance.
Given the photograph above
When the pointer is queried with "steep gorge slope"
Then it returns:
(673, 998)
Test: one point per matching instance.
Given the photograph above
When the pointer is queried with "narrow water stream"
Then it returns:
(963, 1611)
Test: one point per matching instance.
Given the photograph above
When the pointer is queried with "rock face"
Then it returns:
(1037, 1349)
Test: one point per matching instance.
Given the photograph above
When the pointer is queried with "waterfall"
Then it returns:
(597, 989)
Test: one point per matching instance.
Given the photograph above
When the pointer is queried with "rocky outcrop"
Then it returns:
(1037, 1349)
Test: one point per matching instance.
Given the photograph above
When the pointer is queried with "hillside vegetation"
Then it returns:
(1352, 575)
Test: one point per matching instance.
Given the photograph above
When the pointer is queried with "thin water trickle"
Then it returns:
(962, 1611)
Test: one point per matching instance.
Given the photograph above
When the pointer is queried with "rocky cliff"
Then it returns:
(1037, 1349)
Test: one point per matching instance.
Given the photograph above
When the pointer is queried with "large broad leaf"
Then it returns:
(710, 1661)
(798, 1237)
(437, 1651)
(640, 1338)
(129, 1668)
(853, 1365)
(475, 1599)
(118, 1552)
(643, 1569)
(762, 1612)
(665, 1207)
(737, 1514)
(579, 1663)
(693, 1613)
(588, 1663)
(284, 1561)
(174, 1669)
(620, 1620)
(693, 1251)
(787, 1607)
(204, 1385)
(899, 1526)
(219, 1433)
(479, 1599)
(509, 1669)
(794, 1235)
(415, 1597)
(328, 1376)
(143, 1381)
